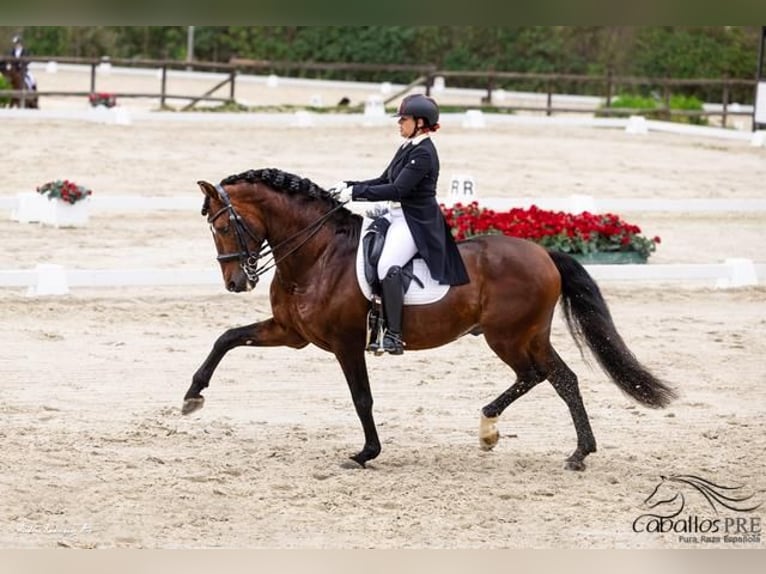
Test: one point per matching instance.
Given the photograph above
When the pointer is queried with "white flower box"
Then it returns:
(64, 214)
(30, 208)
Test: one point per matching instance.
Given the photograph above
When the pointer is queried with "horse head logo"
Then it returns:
(668, 495)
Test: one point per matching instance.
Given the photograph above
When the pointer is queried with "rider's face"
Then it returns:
(406, 126)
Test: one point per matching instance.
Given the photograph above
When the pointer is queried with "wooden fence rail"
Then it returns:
(605, 86)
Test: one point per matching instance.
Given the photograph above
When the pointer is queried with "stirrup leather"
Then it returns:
(375, 326)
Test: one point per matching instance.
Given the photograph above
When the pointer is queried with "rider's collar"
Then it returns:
(416, 140)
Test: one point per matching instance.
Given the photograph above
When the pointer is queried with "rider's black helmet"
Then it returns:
(420, 106)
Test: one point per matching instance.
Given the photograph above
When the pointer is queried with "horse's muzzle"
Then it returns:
(241, 283)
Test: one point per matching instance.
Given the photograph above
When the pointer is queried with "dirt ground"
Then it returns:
(97, 454)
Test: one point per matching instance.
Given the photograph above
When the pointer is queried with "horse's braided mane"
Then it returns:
(291, 184)
(281, 181)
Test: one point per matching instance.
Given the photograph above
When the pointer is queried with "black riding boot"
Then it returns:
(392, 289)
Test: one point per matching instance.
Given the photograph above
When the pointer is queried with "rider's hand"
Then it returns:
(342, 191)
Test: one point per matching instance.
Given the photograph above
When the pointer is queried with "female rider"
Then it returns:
(418, 225)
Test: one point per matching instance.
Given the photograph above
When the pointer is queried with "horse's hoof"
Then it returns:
(488, 433)
(192, 404)
(574, 465)
(489, 441)
(357, 458)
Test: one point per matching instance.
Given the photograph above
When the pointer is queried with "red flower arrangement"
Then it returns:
(102, 99)
(556, 230)
(64, 190)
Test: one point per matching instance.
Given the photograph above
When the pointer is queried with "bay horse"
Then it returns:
(315, 298)
(16, 78)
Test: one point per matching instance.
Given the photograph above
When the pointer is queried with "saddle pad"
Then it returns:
(431, 291)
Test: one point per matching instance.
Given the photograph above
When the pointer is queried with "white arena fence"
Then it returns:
(52, 279)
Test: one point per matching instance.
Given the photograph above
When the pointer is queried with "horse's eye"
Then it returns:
(222, 231)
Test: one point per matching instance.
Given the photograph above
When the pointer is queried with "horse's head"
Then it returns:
(290, 212)
(238, 233)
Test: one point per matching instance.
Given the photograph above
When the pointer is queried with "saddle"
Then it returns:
(373, 240)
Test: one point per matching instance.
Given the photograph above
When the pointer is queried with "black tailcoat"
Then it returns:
(411, 179)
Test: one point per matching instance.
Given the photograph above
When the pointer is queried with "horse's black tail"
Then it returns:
(589, 319)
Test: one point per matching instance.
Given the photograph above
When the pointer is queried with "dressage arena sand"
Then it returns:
(97, 454)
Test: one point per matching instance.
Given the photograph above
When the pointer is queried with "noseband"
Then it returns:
(248, 260)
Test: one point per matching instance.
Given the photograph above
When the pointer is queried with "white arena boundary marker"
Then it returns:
(29, 208)
(374, 111)
(303, 119)
(373, 107)
(473, 119)
(637, 125)
(742, 273)
(49, 279)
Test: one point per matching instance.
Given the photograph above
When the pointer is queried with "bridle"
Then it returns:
(248, 260)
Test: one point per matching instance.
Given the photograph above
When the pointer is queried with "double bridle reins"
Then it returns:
(248, 260)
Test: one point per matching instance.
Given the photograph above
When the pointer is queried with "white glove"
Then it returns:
(345, 193)
(342, 191)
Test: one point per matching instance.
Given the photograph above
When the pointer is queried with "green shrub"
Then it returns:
(686, 103)
(632, 102)
(642, 104)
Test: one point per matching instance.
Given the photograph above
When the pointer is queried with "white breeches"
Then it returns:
(399, 247)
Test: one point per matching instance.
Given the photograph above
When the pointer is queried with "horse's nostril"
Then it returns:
(230, 286)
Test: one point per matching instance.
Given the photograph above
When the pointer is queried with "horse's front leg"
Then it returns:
(267, 333)
(355, 370)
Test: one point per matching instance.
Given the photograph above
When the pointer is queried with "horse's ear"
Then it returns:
(208, 189)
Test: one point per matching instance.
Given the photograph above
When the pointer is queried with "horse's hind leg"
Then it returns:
(488, 433)
(527, 376)
(535, 363)
(565, 382)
